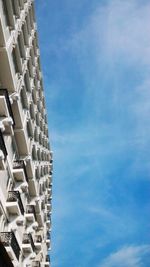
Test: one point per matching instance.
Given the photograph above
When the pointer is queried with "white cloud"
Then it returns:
(130, 256)
(117, 28)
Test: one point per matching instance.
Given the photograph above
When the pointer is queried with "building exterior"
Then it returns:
(25, 155)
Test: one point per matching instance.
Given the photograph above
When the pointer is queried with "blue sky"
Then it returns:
(95, 59)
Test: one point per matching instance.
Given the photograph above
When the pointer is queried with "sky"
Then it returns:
(95, 58)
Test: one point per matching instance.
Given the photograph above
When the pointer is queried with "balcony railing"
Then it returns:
(27, 239)
(14, 196)
(31, 209)
(4, 92)
(9, 240)
(19, 164)
(2, 145)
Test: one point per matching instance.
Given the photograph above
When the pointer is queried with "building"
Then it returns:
(25, 156)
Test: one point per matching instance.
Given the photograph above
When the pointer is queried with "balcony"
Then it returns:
(30, 168)
(19, 171)
(36, 264)
(8, 10)
(28, 244)
(5, 260)
(49, 181)
(5, 105)
(30, 128)
(40, 219)
(49, 207)
(2, 145)
(8, 76)
(47, 258)
(49, 193)
(14, 203)
(10, 242)
(30, 213)
(48, 236)
(38, 242)
(47, 198)
(48, 239)
(47, 261)
(23, 142)
(33, 187)
(48, 223)
(21, 134)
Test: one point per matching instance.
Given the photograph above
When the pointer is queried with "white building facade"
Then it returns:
(25, 156)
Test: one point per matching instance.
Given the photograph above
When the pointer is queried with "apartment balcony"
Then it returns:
(37, 168)
(49, 192)
(36, 264)
(48, 223)
(38, 242)
(46, 263)
(6, 116)
(2, 146)
(14, 203)
(30, 214)
(37, 204)
(25, 99)
(30, 128)
(10, 242)
(47, 214)
(48, 240)
(27, 78)
(47, 258)
(23, 142)
(42, 205)
(48, 198)
(20, 110)
(8, 11)
(30, 168)
(40, 218)
(51, 172)
(9, 77)
(49, 181)
(33, 187)
(28, 244)
(5, 105)
(49, 207)
(19, 171)
(32, 110)
(5, 260)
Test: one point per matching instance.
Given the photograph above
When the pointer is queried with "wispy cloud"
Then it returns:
(130, 256)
